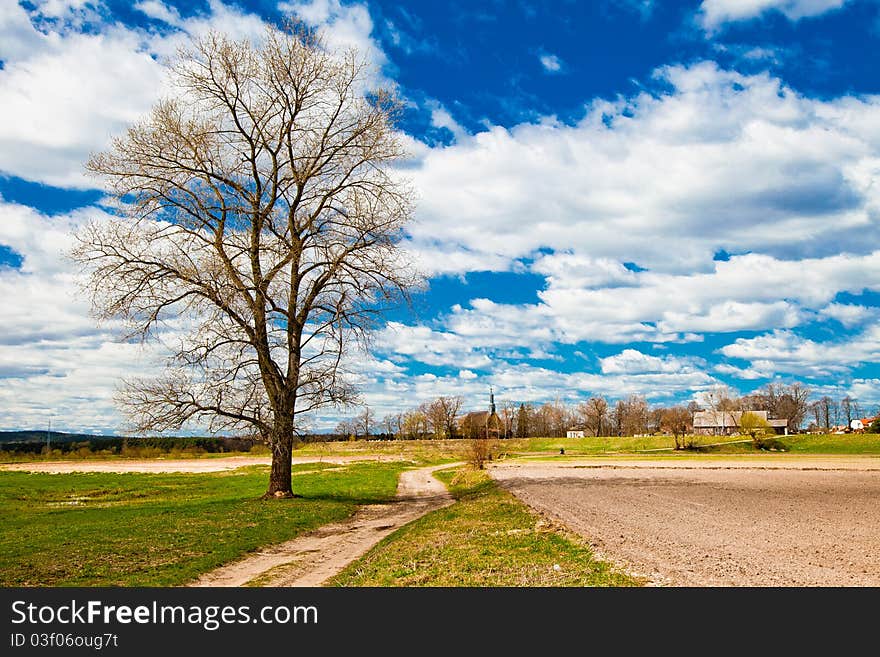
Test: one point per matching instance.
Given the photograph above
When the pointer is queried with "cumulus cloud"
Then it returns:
(159, 11)
(551, 63)
(342, 26)
(108, 76)
(849, 314)
(622, 213)
(650, 179)
(55, 360)
(714, 13)
(785, 351)
(633, 361)
(104, 79)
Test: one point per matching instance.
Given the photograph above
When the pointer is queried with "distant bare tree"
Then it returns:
(618, 417)
(508, 417)
(346, 428)
(257, 202)
(441, 414)
(364, 422)
(794, 404)
(390, 424)
(594, 412)
(635, 418)
(415, 424)
(823, 412)
(450, 407)
(846, 409)
(723, 401)
(678, 421)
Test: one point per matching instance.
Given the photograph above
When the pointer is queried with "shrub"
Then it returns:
(771, 443)
(480, 450)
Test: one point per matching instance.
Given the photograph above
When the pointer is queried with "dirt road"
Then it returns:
(217, 464)
(791, 521)
(311, 559)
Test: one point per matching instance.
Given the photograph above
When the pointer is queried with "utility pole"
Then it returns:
(48, 437)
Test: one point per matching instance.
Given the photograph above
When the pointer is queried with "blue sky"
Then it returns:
(615, 197)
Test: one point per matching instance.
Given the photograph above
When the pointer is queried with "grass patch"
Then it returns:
(487, 538)
(853, 443)
(639, 446)
(102, 529)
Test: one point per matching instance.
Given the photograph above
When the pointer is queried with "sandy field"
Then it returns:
(789, 521)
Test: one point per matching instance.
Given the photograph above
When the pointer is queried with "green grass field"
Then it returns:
(163, 529)
(644, 446)
(487, 538)
(426, 452)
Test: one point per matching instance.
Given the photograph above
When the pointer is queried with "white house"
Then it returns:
(575, 433)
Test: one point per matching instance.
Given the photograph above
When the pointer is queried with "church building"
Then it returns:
(483, 424)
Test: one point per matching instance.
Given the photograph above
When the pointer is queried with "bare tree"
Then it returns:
(636, 412)
(346, 428)
(678, 421)
(508, 418)
(390, 424)
(415, 424)
(435, 413)
(258, 204)
(618, 417)
(365, 421)
(823, 411)
(846, 409)
(791, 404)
(594, 412)
(441, 414)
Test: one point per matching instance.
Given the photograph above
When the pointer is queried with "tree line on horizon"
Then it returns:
(598, 416)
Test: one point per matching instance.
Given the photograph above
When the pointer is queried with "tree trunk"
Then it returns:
(280, 484)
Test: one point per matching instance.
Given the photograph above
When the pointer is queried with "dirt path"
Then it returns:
(796, 521)
(311, 559)
(156, 465)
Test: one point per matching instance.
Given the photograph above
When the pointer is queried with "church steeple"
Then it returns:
(491, 401)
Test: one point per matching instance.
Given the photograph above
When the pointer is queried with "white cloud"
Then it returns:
(551, 63)
(159, 11)
(438, 348)
(103, 80)
(754, 372)
(714, 13)
(54, 359)
(848, 314)
(633, 361)
(788, 352)
(585, 300)
(441, 118)
(342, 26)
(650, 179)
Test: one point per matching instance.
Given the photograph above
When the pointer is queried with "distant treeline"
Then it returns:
(59, 443)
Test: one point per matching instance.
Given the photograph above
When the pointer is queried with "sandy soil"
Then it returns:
(217, 464)
(311, 559)
(796, 521)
